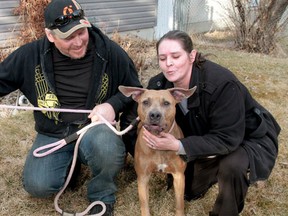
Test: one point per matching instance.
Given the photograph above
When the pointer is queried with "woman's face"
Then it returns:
(74, 46)
(175, 62)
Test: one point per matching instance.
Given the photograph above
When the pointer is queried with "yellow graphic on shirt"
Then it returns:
(45, 97)
(104, 88)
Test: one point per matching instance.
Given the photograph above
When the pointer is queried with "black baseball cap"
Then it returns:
(63, 17)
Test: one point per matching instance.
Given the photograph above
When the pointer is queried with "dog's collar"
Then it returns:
(173, 125)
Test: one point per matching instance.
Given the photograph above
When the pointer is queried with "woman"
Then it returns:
(230, 139)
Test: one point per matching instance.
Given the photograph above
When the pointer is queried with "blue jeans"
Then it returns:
(100, 149)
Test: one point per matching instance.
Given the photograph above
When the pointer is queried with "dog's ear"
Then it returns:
(179, 93)
(128, 91)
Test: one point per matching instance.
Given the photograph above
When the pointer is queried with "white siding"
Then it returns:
(124, 15)
(9, 24)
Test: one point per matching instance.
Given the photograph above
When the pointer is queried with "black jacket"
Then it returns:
(30, 69)
(222, 117)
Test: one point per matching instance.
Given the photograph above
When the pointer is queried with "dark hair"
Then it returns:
(185, 41)
(180, 36)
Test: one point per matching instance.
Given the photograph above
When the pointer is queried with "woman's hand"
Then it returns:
(105, 110)
(164, 141)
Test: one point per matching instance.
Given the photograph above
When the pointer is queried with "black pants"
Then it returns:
(229, 171)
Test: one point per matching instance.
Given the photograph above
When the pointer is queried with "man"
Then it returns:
(74, 66)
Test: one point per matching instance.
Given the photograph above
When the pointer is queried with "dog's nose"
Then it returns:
(155, 116)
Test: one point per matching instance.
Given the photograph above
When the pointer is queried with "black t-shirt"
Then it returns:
(72, 80)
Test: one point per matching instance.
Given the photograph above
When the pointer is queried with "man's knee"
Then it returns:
(41, 189)
(236, 164)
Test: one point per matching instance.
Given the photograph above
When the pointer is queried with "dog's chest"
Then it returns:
(164, 161)
(161, 167)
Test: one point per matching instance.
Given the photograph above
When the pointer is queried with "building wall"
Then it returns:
(135, 16)
(121, 16)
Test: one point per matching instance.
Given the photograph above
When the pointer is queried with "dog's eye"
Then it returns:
(166, 103)
(145, 102)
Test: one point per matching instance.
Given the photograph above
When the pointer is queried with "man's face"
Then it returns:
(74, 46)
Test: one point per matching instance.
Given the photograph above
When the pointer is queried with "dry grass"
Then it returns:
(265, 76)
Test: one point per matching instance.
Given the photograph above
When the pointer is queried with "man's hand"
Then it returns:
(105, 110)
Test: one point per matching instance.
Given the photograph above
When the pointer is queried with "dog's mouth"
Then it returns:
(154, 128)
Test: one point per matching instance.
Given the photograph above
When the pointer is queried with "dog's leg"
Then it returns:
(179, 184)
(143, 191)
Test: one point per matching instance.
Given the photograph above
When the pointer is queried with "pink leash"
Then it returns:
(59, 144)
(2, 106)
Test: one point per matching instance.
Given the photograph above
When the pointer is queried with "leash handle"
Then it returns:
(61, 143)
(52, 147)
(71, 138)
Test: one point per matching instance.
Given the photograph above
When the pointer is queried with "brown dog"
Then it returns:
(156, 110)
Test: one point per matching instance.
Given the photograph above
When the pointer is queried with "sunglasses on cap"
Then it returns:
(65, 19)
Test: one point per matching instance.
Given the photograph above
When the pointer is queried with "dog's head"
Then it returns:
(156, 108)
